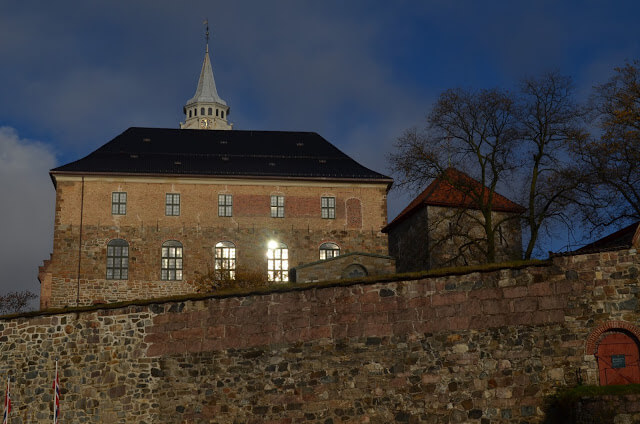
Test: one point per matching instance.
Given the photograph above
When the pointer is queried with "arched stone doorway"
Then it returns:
(617, 357)
(615, 347)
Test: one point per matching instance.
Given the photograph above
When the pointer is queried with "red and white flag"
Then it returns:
(56, 397)
(7, 405)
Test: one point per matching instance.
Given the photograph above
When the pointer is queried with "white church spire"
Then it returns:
(206, 110)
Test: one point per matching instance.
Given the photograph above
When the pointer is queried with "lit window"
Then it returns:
(117, 260)
(277, 206)
(118, 203)
(171, 260)
(225, 205)
(328, 207)
(226, 259)
(329, 250)
(210, 111)
(277, 261)
(172, 204)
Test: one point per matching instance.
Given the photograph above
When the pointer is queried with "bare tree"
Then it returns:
(473, 131)
(550, 121)
(610, 161)
(15, 302)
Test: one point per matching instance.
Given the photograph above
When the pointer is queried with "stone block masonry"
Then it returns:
(482, 347)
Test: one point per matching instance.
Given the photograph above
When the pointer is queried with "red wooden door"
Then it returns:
(618, 360)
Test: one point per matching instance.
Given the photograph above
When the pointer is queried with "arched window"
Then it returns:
(210, 111)
(277, 261)
(329, 250)
(189, 113)
(171, 260)
(217, 112)
(195, 111)
(117, 260)
(226, 260)
(354, 271)
(222, 114)
(201, 111)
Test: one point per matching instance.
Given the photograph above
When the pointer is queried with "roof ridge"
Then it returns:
(425, 198)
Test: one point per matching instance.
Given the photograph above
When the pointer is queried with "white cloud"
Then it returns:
(26, 213)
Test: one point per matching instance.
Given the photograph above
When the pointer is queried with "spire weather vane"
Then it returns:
(206, 23)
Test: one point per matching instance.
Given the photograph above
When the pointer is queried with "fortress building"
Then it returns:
(442, 226)
(148, 212)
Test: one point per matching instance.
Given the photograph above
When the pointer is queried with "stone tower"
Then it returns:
(206, 110)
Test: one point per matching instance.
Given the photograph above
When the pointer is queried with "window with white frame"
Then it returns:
(277, 261)
(172, 204)
(225, 205)
(225, 258)
(119, 203)
(329, 250)
(117, 260)
(171, 260)
(277, 206)
(328, 207)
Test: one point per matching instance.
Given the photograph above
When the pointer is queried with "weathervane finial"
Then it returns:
(206, 23)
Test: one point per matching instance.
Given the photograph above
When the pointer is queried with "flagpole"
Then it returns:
(55, 395)
(7, 403)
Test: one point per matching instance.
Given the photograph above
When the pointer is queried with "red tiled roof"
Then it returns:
(441, 192)
(622, 238)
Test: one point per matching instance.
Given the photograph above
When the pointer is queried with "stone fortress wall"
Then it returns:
(481, 347)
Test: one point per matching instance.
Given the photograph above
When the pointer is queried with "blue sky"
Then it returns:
(76, 74)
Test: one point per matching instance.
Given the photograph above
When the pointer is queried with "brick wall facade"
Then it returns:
(475, 348)
(360, 213)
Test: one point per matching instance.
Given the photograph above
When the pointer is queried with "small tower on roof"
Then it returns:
(206, 110)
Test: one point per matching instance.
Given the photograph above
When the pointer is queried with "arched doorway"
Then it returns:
(617, 355)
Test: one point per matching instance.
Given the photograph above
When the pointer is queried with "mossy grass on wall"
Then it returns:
(592, 403)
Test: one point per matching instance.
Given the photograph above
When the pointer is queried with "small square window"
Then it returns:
(118, 203)
(277, 206)
(225, 205)
(172, 204)
(328, 207)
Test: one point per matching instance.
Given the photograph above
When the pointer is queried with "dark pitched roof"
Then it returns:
(620, 239)
(269, 154)
(441, 192)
